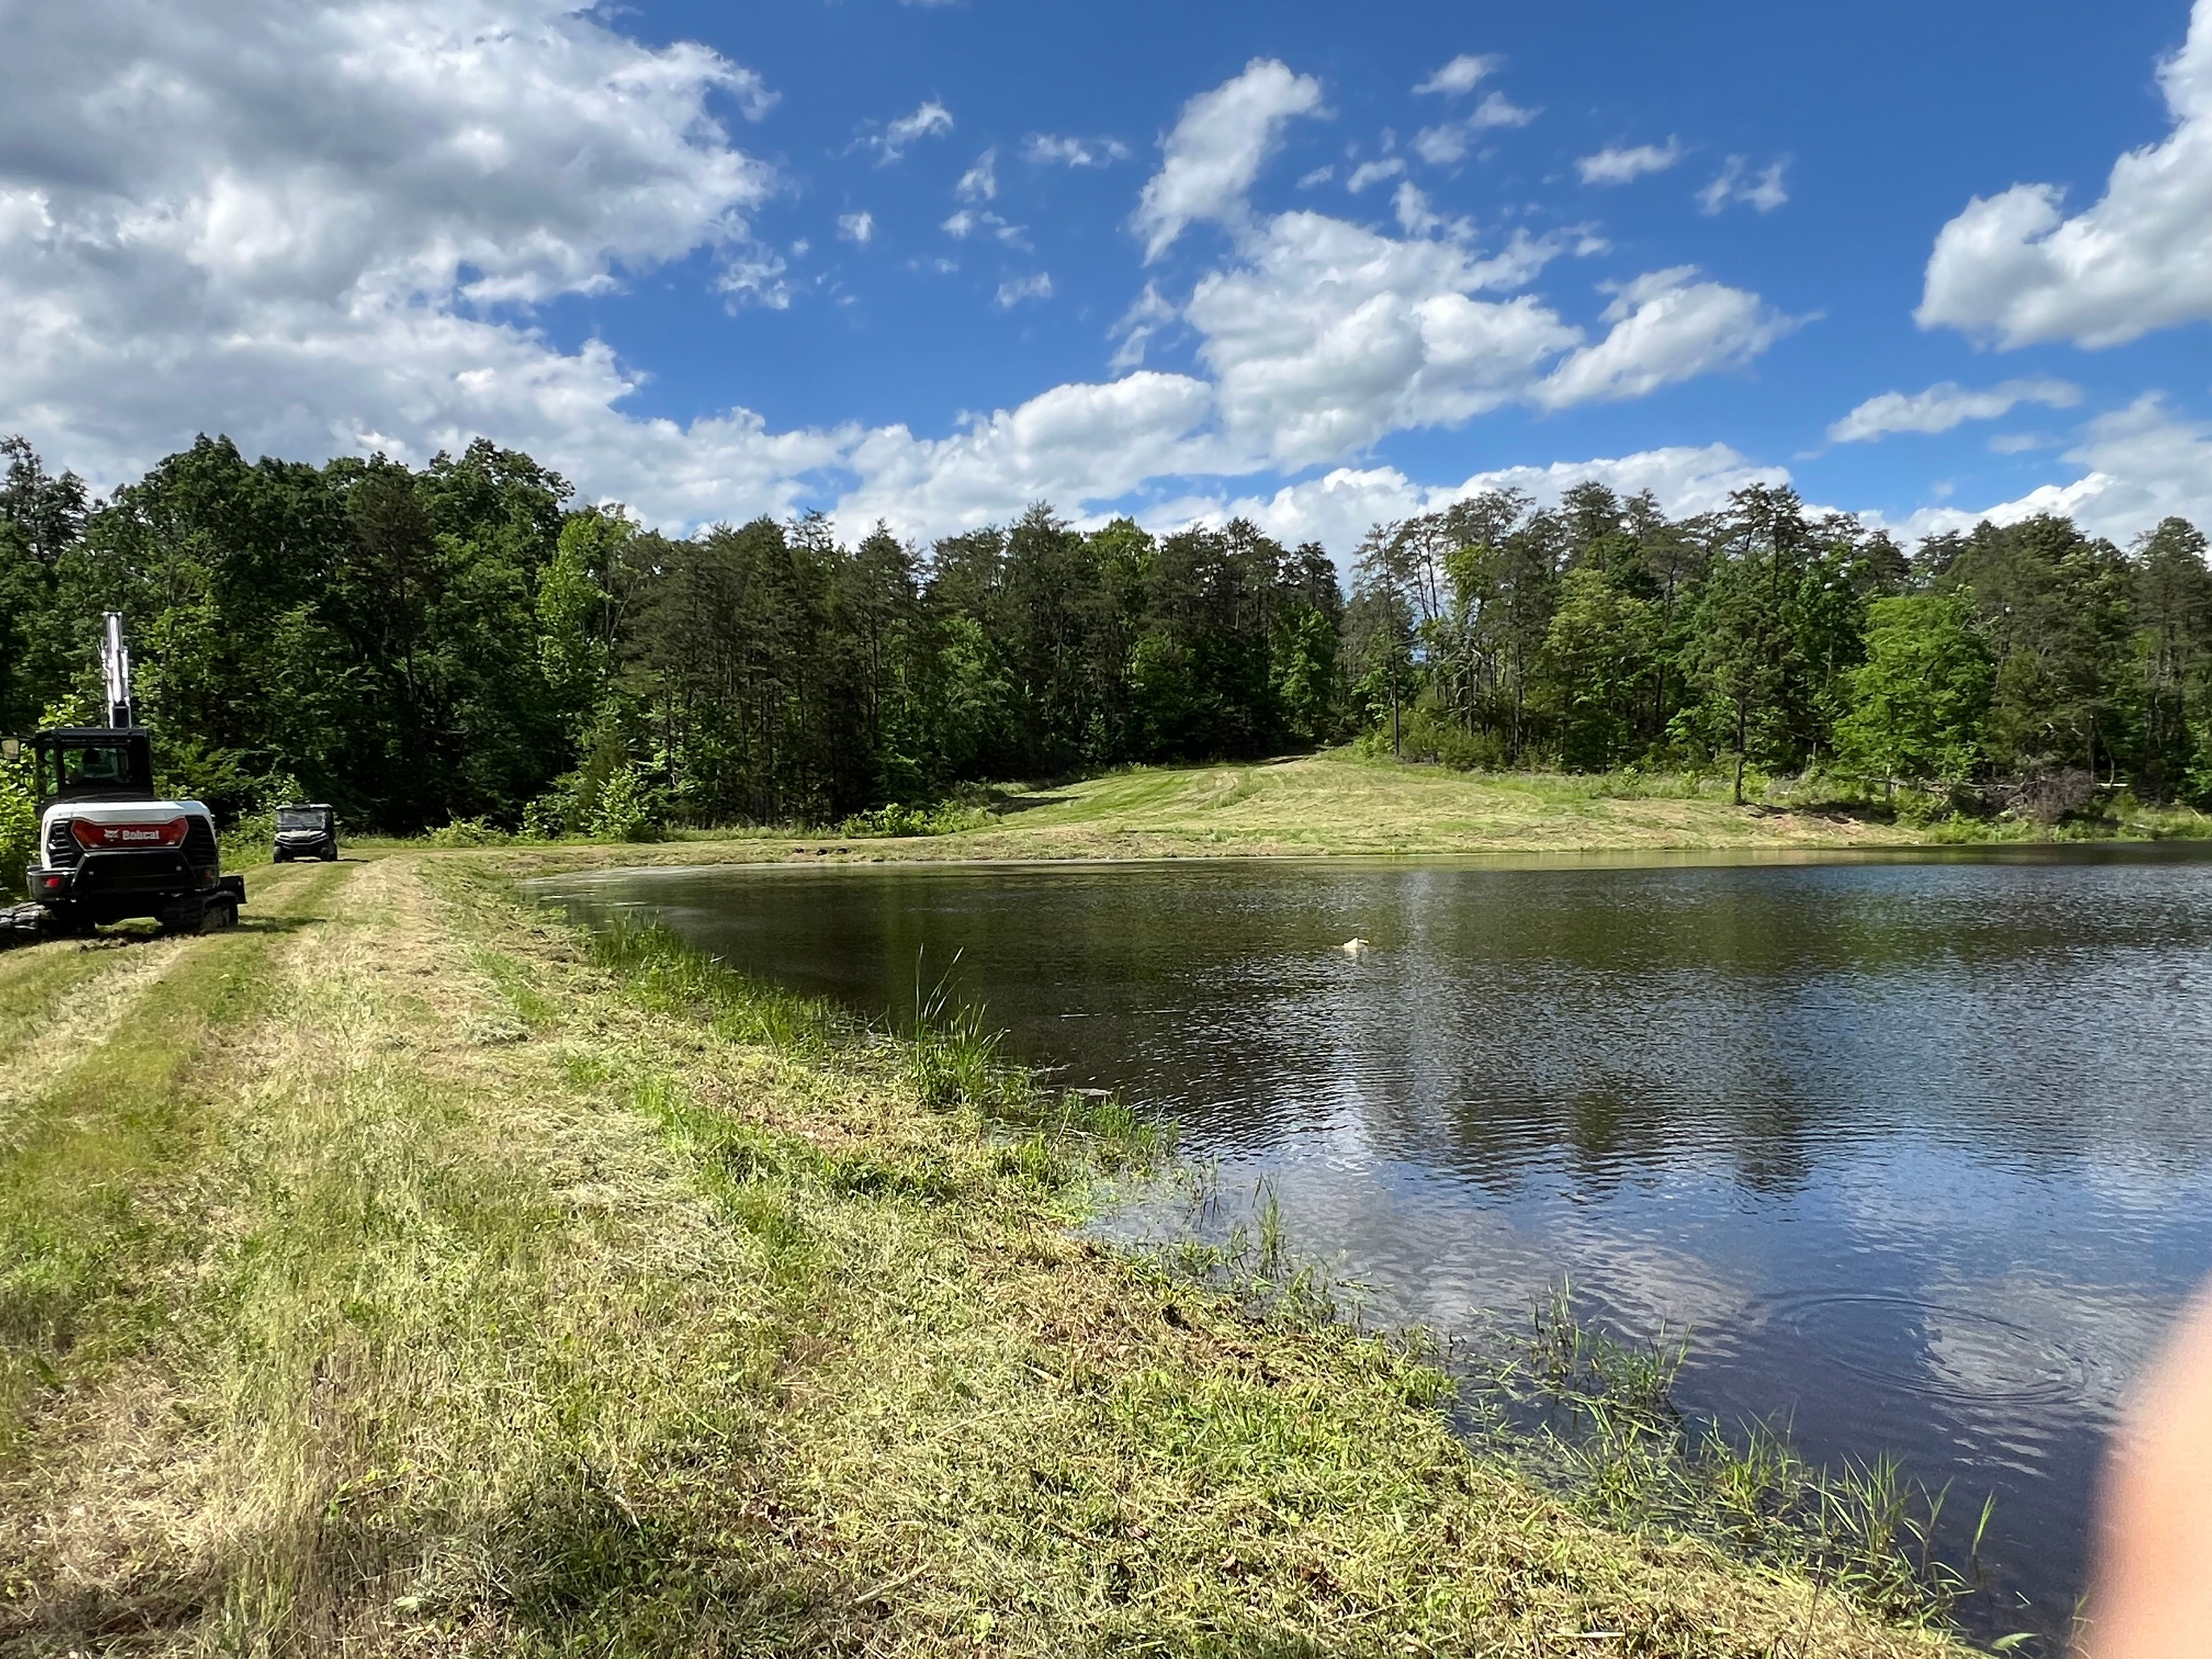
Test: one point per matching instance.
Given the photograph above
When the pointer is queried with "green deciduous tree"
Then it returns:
(1918, 703)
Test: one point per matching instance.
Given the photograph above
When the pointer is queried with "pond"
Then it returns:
(1917, 1150)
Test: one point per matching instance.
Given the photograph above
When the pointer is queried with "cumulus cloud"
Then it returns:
(1459, 76)
(1737, 184)
(1050, 150)
(1331, 335)
(980, 182)
(1666, 327)
(1944, 406)
(1374, 172)
(326, 230)
(931, 121)
(1036, 286)
(857, 227)
(1148, 313)
(1070, 445)
(301, 222)
(1336, 508)
(1214, 155)
(1620, 166)
(1449, 142)
(2140, 464)
(1415, 216)
(2013, 268)
(968, 221)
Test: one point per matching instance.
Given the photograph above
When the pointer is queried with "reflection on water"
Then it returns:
(1917, 1150)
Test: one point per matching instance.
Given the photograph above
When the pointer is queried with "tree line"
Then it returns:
(463, 640)
(1602, 634)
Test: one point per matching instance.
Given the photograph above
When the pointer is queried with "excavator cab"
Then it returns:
(92, 762)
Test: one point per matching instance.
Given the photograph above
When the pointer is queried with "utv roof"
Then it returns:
(93, 734)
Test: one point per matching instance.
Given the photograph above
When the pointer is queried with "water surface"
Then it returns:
(1916, 1149)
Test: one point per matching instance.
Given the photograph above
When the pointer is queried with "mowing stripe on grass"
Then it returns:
(96, 1143)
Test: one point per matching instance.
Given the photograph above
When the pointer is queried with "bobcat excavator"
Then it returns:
(109, 848)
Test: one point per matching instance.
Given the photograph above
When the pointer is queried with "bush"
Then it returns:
(469, 832)
(545, 818)
(19, 823)
(1427, 735)
(2048, 796)
(945, 818)
(628, 809)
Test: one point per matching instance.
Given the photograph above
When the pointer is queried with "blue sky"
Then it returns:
(931, 262)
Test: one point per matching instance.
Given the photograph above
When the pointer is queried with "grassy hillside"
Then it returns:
(397, 1275)
(1340, 803)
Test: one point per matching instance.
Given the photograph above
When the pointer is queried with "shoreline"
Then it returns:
(1338, 805)
(470, 1288)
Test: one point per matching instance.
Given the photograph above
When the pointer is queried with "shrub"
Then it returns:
(19, 823)
(468, 832)
(896, 818)
(628, 809)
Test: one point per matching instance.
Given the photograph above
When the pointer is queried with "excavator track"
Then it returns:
(25, 924)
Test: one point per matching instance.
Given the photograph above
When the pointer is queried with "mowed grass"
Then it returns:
(1338, 802)
(457, 1286)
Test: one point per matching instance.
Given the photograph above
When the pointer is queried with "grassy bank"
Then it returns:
(1343, 803)
(397, 1274)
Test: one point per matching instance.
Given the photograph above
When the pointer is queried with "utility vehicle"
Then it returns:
(307, 832)
(109, 848)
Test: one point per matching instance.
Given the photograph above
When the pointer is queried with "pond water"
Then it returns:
(1917, 1150)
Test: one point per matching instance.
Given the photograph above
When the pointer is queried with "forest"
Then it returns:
(465, 641)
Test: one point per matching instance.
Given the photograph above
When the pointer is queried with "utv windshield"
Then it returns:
(302, 818)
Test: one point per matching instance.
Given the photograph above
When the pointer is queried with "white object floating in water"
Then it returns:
(1355, 947)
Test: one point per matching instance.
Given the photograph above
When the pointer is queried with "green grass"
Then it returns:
(1346, 802)
(479, 1288)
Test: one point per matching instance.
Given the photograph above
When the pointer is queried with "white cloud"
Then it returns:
(1050, 150)
(1459, 76)
(1666, 328)
(1318, 176)
(1415, 216)
(1944, 406)
(1337, 509)
(2140, 463)
(1443, 145)
(2022, 443)
(754, 276)
(980, 182)
(1148, 313)
(1374, 172)
(968, 221)
(1037, 286)
(302, 224)
(1616, 165)
(1068, 446)
(324, 231)
(2013, 268)
(1735, 183)
(931, 121)
(1214, 155)
(857, 227)
(1329, 336)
